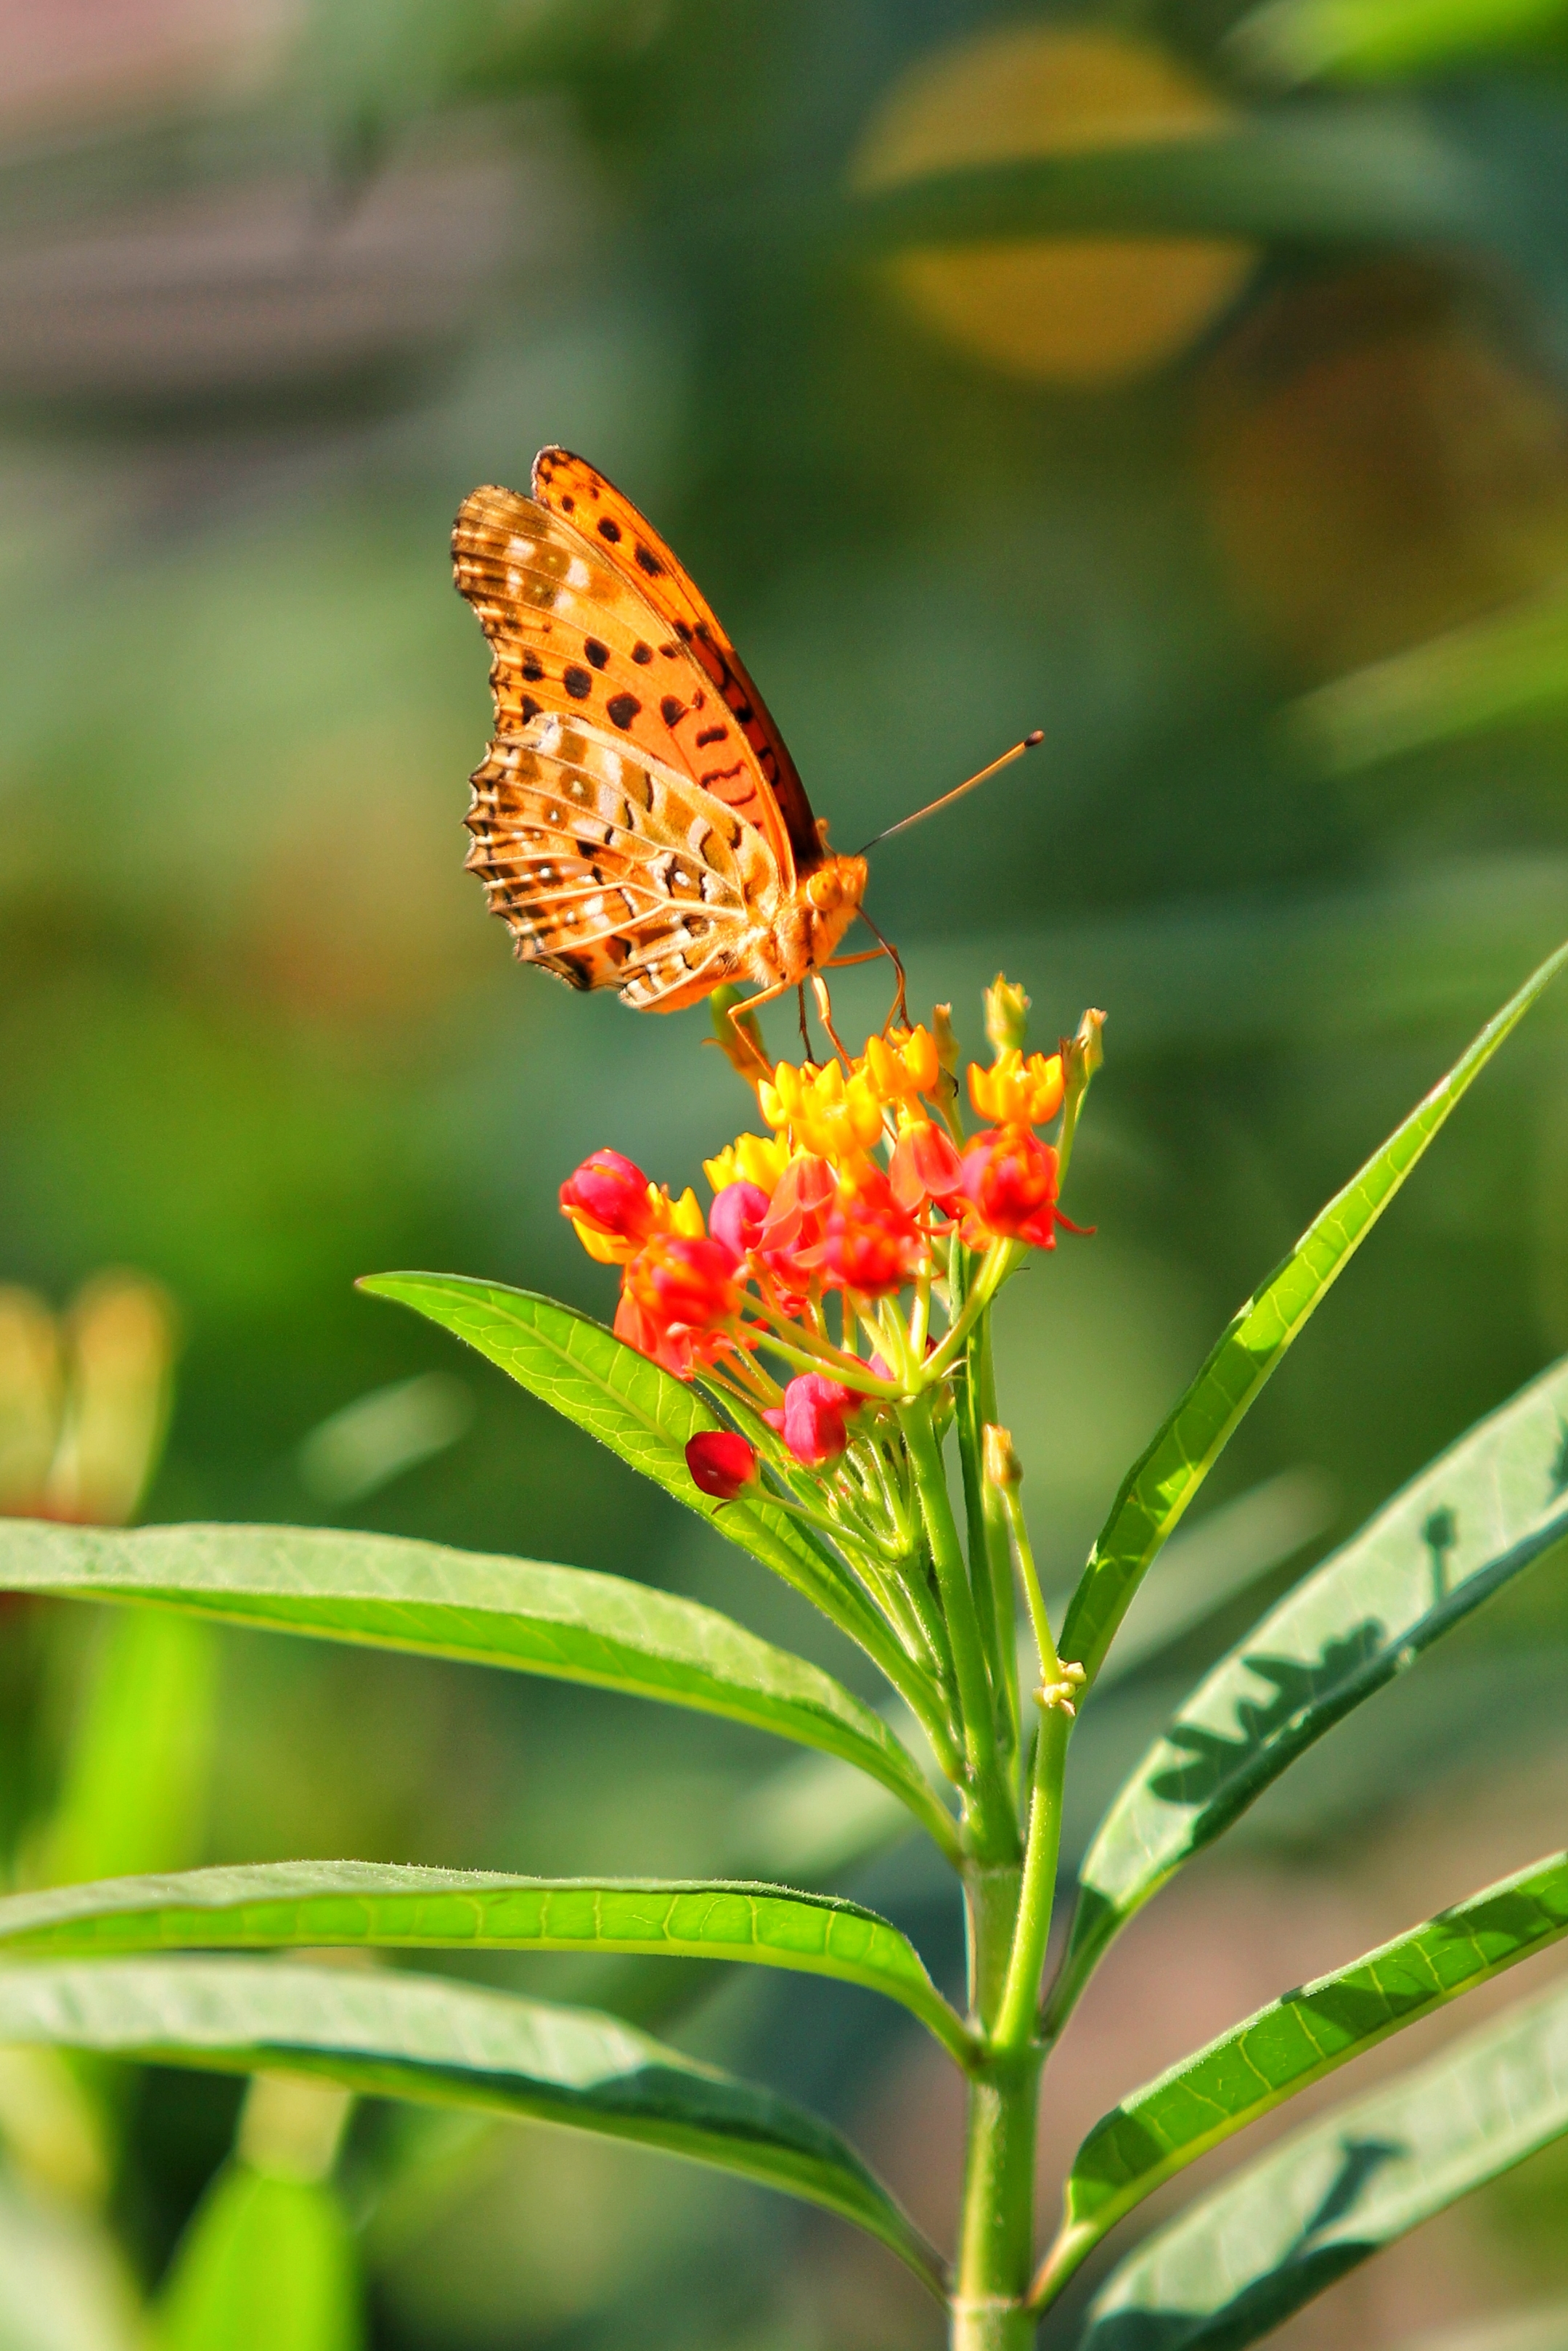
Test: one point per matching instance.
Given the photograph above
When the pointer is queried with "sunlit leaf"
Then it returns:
(1239, 2261)
(1482, 1512)
(133, 1790)
(562, 1621)
(1294, 2042)
(1291, 41)
(319, 1903)
(1358, 170)
(1162, 1483)
(264, 2262)
(414, 2037)
(641, 1412)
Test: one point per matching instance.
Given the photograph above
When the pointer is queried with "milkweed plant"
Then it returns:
(806, 1362)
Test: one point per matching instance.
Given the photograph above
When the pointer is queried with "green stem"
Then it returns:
(1017, 2021)
(994, 1548)
(996, 2226)
(990, 1819)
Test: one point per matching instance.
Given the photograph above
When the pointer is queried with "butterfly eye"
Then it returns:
(824, 892)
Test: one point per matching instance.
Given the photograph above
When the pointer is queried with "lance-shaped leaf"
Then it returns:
(1165, 1479)
(1239, 2261)
(1370, 171)
(319, 1904)
(404, 2036)
(1492, 1506)
(1293, 2042)
(640, 1411)
(566, 1622)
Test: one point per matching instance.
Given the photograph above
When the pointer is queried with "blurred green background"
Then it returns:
(1220, 429)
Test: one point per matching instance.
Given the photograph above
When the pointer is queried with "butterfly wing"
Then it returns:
(571, 487)
(611, 868)
(574, 629)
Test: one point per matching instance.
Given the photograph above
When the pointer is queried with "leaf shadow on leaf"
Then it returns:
(1215, 1762)
(1305, 2269)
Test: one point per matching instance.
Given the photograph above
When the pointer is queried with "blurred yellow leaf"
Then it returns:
(1068, 309)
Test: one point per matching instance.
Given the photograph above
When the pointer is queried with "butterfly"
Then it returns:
(637, 821)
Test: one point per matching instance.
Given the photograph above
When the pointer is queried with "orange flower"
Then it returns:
(1016, 1092)
(825, 1112)
(901, 1066)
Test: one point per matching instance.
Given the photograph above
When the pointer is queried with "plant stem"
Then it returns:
(991, 1822)
(995, 2228)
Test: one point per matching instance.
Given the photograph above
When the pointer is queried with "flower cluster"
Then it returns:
(848, 1252)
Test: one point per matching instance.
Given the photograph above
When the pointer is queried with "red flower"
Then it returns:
(686, 1285)
(1010, 1183)
(736, 1217)
(610, 1201)
(924, 1165)
(811, 1421)
(721, 1463)
(870, 1243)
(640, 1329)
(795, 1213)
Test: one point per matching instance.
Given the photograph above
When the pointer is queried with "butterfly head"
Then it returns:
(816, 917)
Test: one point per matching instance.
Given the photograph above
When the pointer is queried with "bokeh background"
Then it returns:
(1225, 439)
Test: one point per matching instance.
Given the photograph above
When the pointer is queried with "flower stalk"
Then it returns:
(836, 1301)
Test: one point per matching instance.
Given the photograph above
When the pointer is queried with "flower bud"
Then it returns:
(740, 1041)
(1010, 1183)
(943, 1037)
(721, 1463)
(612, 1204)
(811, 1418)
(1003, 1467)
(736, 1216)
(869, 1244)
(1007, 1016)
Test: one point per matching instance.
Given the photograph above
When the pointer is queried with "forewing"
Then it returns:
(571, 487)
(611, 868)
(576, 631)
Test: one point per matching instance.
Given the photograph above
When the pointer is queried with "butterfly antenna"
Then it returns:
(948, 797)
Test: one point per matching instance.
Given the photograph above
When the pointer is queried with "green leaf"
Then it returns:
(265, 2261)
(1164, 1480)
(1291, 41)
(317, 1904)
(135, 1773)
(1375, 173)
(1239, 2261)
(1293, 2042)
(1509, 668)
(415, 2037)
(566, 1622)
(640, 1411)
(1482, 1512)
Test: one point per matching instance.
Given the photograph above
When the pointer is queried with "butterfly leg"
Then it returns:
(805, 1032)
(744, 1009)
(825, 1014)
(884, 946)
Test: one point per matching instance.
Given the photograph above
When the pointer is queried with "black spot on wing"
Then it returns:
(642, 653)
(609, 528)
(597, 654)
(672, 710)
(622, 708)
(533, 668)
(648, 561)
(577, 682)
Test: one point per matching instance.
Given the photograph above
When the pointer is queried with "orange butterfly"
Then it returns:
(637, 822)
